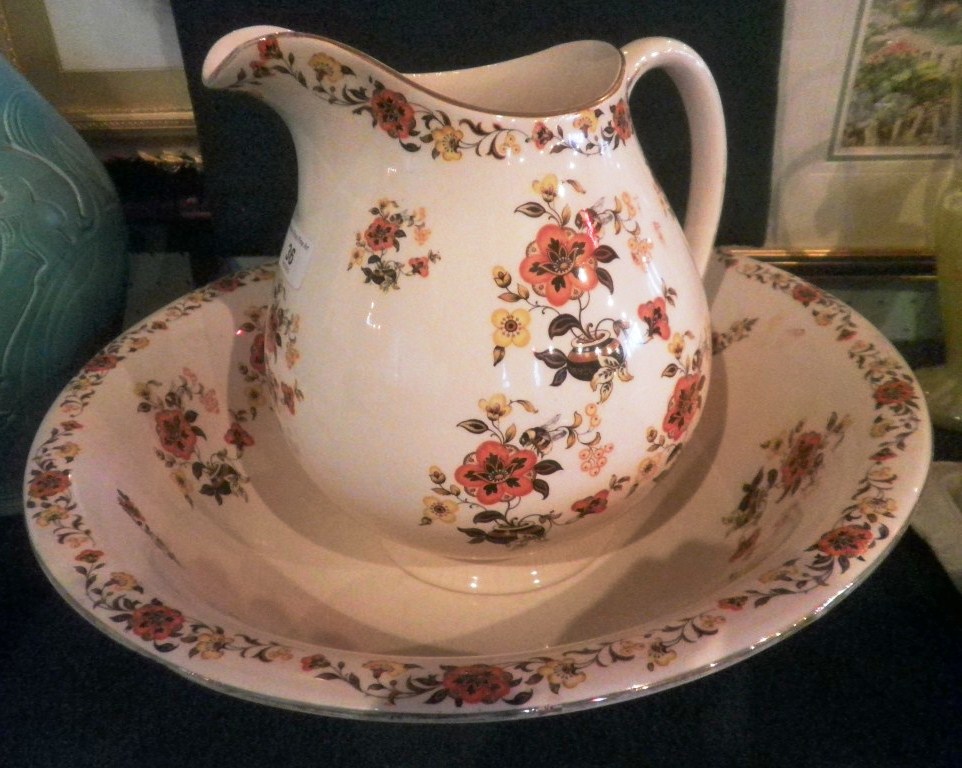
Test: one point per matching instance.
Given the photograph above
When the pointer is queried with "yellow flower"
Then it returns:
(81, 383)
(211, 645)
(437, 508)
(52, 514)
(447, 142)
(68, 450)
(123, 581)
(502, 277)
(783, 573)
(421, 235)
(881, 474)
(631, 208)
(358, 255)
(564, 672)
(660, 655)
(182, 481)
(877, 505)
(497, 407)
(511, 327)
(382, 668)
(823, 317)
(511, 145)
(640, 248)
(627, 648)
(648, 468)
(676, 345)
(326, 68)
(142, 389)
(586, 121)
(291, 356)
(547, 187)
(436, 475)
(710, 621)
(255, 395)
(278, 653)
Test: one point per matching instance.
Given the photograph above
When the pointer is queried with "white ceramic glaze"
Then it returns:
(488, 329)
(162, 502)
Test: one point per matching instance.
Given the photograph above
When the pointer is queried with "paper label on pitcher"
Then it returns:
(295, 256)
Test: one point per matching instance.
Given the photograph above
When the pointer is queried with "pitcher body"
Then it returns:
(488, 335)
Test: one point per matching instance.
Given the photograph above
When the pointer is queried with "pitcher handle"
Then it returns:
(706, 123)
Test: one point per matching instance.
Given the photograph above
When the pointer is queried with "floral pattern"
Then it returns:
(384, 233)
(273, 343)
(739, 330)
(498, 478)
(176, 410)
(825, 310)
(862, 521)
(514, 682)
(416, 127)
(560, 269)
(797, 459)
(50, 504)
(509, 465)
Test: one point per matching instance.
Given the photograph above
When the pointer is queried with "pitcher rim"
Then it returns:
(411, 79)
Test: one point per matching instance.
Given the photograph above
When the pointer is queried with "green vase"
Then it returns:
(63, 266)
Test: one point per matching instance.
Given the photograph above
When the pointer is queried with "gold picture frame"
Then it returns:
(134, 104)
(896, 262)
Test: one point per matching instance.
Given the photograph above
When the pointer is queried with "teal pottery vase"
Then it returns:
(63, 266)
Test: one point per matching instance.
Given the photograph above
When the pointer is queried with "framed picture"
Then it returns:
(109, 66)
(863, 130)
(898, 93)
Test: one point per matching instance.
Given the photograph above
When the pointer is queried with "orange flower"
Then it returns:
(478, 683)
(393, 113)
(175, 433)
(45, 485)
(560, 264)
(496, 473)
(847, 541)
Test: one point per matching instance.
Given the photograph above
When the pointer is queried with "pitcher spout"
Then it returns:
(235, 46)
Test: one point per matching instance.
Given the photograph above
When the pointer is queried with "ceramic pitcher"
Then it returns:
(488, 335)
